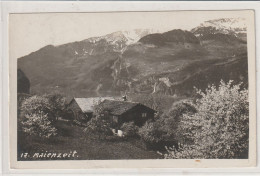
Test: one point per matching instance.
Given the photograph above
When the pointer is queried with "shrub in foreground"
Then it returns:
(51, 104)
(99, 126)
(220, 128)
(129, 129)
(38, 125)
(152, 134)
(36, 104)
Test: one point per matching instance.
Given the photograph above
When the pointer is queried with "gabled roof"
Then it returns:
(87, 104)
(116, 107)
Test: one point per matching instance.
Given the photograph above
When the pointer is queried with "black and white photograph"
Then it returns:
(132, 85)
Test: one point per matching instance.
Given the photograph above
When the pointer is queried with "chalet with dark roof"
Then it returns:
(120, 112)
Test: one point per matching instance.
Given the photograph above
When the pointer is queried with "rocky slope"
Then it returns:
(176, 66)
(78, 66)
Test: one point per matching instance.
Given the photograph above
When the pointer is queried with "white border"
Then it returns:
(30, 7)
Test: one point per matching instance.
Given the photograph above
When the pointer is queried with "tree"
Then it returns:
(172, 119)
(38, 125)
(219, 128)
(152, 133)
(57, 104)
(99, 125)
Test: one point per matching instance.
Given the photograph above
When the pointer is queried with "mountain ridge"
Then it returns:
(166, 63)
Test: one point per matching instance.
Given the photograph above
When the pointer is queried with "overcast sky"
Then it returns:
(30, 32)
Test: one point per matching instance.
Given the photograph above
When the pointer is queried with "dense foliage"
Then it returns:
(219, 128)
(152, 132)
(57, 103)
(163, 131)
(129, 129)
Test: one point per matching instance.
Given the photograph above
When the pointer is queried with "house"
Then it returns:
(120, 112)
(81, 109)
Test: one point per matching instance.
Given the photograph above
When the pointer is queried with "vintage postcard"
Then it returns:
(132, 89)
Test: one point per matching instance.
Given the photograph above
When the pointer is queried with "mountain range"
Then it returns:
(141, 61)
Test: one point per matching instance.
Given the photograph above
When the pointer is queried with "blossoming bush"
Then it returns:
(35, 104)
(40, 113)
(219, 128)
(38, 125)
(51, 104)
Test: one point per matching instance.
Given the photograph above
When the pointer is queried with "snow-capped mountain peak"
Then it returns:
(227, 23)
(128, 37)
(232, 26)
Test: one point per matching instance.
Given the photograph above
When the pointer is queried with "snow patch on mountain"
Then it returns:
(135, 35)
(233, 26)
(126, 37)
(236, 24)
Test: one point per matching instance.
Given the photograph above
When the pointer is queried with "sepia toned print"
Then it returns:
(175, 91)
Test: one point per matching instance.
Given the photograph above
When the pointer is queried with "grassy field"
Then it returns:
(72, 138)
